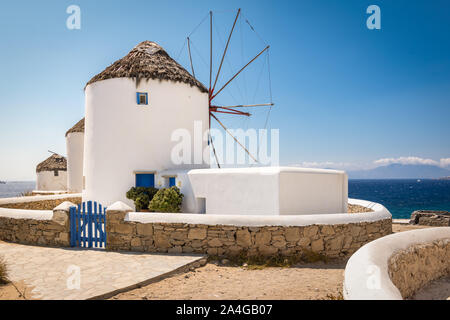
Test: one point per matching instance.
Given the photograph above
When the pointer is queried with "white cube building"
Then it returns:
(271, 190)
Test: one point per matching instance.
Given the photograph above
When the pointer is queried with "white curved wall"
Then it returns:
(122, 137)
(379, 213)
(75, 150)
(47, 181)
(367, 271)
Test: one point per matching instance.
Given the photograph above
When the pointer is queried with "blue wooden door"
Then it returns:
(88, 225)
(145, 180)
(172, 182)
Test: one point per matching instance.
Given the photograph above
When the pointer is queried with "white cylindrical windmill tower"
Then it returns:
(132, 109)
(75, 150)
(52, 174)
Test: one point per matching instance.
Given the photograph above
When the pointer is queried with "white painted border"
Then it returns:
(31, 214)
(44, 192)
(379, 213)
(372, 259)
(4, 201)
(26, 214)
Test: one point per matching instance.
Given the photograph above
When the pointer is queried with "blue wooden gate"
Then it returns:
(88, 225)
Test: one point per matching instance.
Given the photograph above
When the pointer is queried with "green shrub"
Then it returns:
(141, 202)
(3, 272)
(141, 196)
(167, 200)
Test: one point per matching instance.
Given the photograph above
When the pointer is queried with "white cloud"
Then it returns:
(329, 165)
(352, 166)
(405, 160)
(445, 162)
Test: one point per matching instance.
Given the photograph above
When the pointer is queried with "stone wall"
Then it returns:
(51, 228)
(431, 218)
(333, 241)
(415, 267)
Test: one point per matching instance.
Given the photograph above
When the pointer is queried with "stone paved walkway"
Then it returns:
(51, 271)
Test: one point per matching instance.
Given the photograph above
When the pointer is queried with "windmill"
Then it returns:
(214, 90)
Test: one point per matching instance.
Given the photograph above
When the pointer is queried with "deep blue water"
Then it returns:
(15, 188)
(402, 197)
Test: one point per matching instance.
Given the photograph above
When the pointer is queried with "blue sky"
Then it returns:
(345, 96)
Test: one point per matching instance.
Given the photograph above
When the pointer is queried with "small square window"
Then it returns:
(56, 173)
(142, 98)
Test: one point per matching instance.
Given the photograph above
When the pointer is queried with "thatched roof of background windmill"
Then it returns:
(148, 60)
(54, 162)
(78, 127)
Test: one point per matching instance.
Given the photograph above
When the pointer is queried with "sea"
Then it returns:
(400, 197)
(16, 188)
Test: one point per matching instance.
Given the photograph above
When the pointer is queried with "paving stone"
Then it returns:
(48, 270)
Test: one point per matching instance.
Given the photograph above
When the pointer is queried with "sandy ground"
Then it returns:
(211, 282)
(14, 291)
(406, 227)
(435, 290)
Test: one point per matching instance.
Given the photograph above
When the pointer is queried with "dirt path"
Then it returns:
(211, 282)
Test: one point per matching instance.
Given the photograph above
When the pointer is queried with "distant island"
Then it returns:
(402, 171)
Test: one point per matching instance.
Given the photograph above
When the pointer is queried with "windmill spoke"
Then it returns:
(190, 56)
(229, 111)
(225, 51)
(249, 105)
(234, 138)
(242, 69)
(214, 151)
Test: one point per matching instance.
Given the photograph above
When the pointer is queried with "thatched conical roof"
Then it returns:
(148, 60)
(54, 162)
(78, 127)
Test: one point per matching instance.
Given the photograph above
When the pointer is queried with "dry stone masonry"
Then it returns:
(40, 231)
(412, 269)
(431, 218)
(333, 241)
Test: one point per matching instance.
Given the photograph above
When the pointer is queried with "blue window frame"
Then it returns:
(142, 98)
(172, 182)
(145, 180)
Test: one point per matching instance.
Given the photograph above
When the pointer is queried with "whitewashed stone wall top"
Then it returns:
(379, 213)
(26, 214)
(38, 198)
(367, 271)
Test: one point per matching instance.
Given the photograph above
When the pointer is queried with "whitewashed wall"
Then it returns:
(75, 150)
(122, 137)
(46, 181)
(271, 190)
